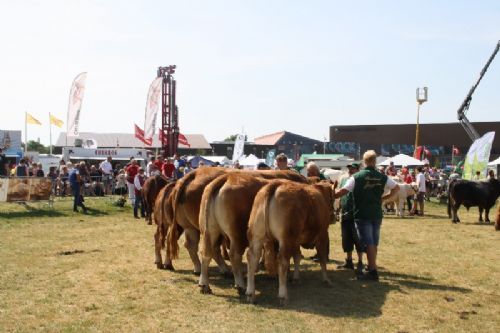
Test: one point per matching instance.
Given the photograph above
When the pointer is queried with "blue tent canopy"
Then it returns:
(195, 161)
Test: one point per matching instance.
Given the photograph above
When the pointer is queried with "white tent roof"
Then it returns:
(402, 160)
(221, 159)
(250, 160)
(495, 162)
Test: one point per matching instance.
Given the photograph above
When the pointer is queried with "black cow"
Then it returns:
(472, 193)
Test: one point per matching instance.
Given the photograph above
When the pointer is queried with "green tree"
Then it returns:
(37, 146)
(232, 138)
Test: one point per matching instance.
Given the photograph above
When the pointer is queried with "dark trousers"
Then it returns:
(77, 197)
(138, 203)
(350, 237)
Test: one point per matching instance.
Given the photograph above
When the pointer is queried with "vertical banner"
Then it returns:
(478, 156)
(239, 144)
(152, 105)
(271, 154)
(75, 105)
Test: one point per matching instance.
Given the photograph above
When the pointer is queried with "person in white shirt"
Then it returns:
(107, 175)
(139, 180)
(420, 180)
(150, 167)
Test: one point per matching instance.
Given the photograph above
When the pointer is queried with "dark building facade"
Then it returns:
(291, 144)
(400, 138)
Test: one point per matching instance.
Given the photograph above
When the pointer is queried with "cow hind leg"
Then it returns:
(481, 214)
(454, 210)
(158, 249)
(191, 244)
(487, 215)
(296, 266)
(253, 256)
(322, 249)
(221, 263)
(235, 255)
(283, 265)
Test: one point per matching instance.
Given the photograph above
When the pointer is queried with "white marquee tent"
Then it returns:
(402, 160)
(495, 162)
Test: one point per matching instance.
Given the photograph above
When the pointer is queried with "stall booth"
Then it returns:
(120, 156)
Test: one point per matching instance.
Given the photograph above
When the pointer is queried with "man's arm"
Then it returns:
(393, 186)
(348, 187)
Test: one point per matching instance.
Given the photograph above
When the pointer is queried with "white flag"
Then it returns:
(478, 156)
(152, 104)
(238, 147)
(75, 105)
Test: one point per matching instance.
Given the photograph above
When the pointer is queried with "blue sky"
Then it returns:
(261, 66)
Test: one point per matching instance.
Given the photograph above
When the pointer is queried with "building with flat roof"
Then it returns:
(390, 139)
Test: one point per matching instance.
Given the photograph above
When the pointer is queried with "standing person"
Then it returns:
(138, 183)
(312, 170)
(4, 171)
(350, 239)
(75, 181)
(491, 174)
(420, 180)
(159, 163)
(281, 162)
(150, 167)
(106, 169)
(168, 169)
(367, 187)
(39, 171)
(131, 172)
(22, 169)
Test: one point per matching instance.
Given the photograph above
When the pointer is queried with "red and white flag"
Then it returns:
(152, 105)
(139, 134)
(183, 140)
(75, 105)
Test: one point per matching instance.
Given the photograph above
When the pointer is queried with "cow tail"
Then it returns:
(179, 191)
(270, 253)
(172, 237)
(449, 198)
(165, 214)
(205, 209)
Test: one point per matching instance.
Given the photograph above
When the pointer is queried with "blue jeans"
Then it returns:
(77, 198)
(137, 203)
(368, 231)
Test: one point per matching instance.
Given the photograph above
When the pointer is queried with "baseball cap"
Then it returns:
(353, 165)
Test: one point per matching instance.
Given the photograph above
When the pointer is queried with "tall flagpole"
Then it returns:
(25, 132)
(452, 154)
(50, 135)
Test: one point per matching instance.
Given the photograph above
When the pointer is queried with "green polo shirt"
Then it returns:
(368, 189)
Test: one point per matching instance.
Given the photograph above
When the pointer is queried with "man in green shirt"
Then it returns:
(367, 187)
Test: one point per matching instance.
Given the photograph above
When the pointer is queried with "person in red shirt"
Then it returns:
(168, 169)
(131, 172)
(159, 163)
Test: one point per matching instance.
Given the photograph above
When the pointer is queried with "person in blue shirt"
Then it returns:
(75, 182)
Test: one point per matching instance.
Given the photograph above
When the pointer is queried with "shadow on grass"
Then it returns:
(31, 211)
(347, 297)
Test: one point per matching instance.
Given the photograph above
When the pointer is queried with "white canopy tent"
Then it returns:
(223, 160)
(249, 161)
(402, 160)
(495, 162)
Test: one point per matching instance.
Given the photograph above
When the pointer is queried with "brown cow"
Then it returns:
(285, 216)
(163, 219)
(150, 190)
(186, 198)
(225, 208)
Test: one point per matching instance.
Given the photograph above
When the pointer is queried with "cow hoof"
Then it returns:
(159, 265)
(197, 273)
(283, 301)
(251, 299)
(169, 267)
(241, 291)
(205, 290)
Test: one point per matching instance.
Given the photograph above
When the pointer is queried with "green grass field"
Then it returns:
(67, 272)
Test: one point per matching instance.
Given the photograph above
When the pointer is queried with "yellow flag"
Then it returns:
(31, 120)
(55, 121)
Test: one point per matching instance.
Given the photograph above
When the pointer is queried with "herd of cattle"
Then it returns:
(272, 213)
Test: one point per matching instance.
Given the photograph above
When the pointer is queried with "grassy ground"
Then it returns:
(66, 272)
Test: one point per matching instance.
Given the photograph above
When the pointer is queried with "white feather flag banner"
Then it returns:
(152, 105)
(75, 105)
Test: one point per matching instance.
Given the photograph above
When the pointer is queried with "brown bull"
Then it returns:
(285, 216)
(150, 190)
(163, 219)
(225, 208)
